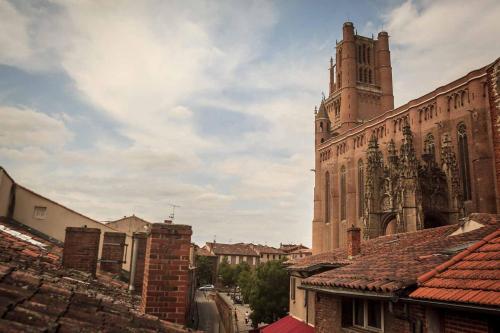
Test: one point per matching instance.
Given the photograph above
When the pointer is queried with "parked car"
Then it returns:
(208, 287)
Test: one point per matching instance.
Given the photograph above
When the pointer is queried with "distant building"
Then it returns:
(268, 253)
(129, 224)
(235, 253)
(294, 251)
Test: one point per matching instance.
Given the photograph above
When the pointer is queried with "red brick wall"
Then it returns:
(166, 271)
(463, 323)
(404, 318)
(113, 248)
(494, 101)
(81, 248)
(140, 240)
(328, 314)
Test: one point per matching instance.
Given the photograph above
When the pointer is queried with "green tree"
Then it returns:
(205, 270)
(227, 273)
(246, 283)
(269, 295)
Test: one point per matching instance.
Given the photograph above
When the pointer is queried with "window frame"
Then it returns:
(40, 216)
(365, 316)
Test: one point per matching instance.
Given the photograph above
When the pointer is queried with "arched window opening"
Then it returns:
(360, 78)
(370, 76)
(462, 98)
(368, 55)
(456, 101)
(463, 155)
(343, 195)
(359, 54)
(361, 188)
(429, 144)
(364, 53)
(321, 126)
(327, 197)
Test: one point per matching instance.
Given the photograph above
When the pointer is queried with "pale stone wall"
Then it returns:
(5, 187)
(299, 308)
(57, 218)
(129, 225)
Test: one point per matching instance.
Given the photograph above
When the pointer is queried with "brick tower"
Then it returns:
(360, 79)
(360, 89)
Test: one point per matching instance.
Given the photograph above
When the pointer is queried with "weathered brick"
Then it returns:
(166, 270)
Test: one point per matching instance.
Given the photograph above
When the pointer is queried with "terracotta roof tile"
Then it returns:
(391, 263)
(38, 295)
(472, 276)
(240, 249)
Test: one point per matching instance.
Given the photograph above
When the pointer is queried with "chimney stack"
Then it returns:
(113, 248)
(166, 272)
(353, 241)
(81, 249)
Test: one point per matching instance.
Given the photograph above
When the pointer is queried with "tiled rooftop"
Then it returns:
(390, 263)
(38, 295)
(239, 249)
(472, 276)
(261, 249)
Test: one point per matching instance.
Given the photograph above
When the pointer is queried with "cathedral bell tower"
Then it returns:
(360, 79)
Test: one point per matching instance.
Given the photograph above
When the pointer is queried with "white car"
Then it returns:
(207, 287)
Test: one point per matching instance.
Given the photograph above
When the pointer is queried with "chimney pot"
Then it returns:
(353, 241)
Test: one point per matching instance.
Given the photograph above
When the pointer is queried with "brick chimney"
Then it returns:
(166, 272)
(81, 249)
(113, 248)
(353, 241)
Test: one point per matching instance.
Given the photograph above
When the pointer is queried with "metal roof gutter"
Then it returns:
(455, 306)
(352, 293)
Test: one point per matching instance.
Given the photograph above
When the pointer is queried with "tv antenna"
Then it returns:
(172, 216)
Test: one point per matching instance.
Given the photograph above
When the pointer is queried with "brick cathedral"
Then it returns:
(427, 163)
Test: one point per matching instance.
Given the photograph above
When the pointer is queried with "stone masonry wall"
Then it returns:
(81, 248)
(113, 248)
(166, 271)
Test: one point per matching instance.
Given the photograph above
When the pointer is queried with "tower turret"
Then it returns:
(349, 95)
(385, 71)
(322, 124)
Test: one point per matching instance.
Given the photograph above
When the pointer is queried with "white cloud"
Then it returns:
(28, 128)
(435, 42)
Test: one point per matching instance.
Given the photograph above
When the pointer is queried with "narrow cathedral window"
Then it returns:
(368, 55)
(327, 197)
(463, 155)
(361, 188)
(343, 197)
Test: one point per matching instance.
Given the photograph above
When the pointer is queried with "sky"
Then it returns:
(116, 108)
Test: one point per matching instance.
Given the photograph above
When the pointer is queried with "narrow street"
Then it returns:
(241, 311)
(208, 314)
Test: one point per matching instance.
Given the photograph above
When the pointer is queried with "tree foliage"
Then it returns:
(268, 296)
(205, 270)
(227, 273)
